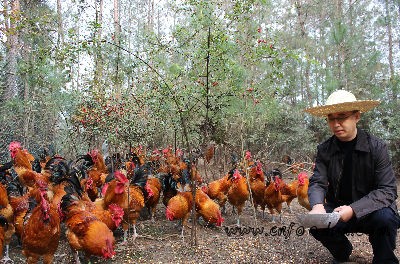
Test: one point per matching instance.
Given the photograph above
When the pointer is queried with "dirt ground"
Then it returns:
(160, 242)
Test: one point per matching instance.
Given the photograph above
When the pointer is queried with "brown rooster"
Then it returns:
(239, 193)
(21, 157)
(129, 197)
(7, 215)
(257, 185)
(169, 156)
(179, 208)
(296, 167)
(28, 177)
(90, 188)
(289, 192)
(209, 152)
(208, 209)
(58, 193)
(151, 201)
(20, 205)
(273, 198)
(218, 189)
(112, 217)
(195, 174)
(41, 231)
(23, 165)
(98, 159)
(85, 232)
(302, 190)
(97, 172)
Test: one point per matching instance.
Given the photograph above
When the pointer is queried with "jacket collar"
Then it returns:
(362, 143)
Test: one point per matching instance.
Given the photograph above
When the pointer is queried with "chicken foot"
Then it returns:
(6, 259)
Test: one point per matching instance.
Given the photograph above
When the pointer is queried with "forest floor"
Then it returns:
(161, 242)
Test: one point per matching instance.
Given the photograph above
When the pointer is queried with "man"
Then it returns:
(353, 176)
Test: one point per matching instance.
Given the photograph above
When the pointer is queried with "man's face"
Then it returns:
(343, 124)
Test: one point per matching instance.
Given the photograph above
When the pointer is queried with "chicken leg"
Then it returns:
(6, 259)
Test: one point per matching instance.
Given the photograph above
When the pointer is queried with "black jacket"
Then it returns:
(373, 180)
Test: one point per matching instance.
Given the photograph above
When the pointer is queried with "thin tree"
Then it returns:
(60, 31)
(340, 31)
(301, 20)
(390, 38)
(117, 41)
(98, 58)
(10, 24)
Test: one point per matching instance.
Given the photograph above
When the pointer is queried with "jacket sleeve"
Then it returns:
(385, 192)
(318, 184)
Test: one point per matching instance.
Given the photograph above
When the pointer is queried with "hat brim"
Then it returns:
(324, 110)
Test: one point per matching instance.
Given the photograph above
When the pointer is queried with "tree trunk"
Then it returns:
(28, 88)
(323, 75)
(78, 29)
(340, 44)
(98, 59)
(207, 119)
(60, 38)
(398, 15)
(390, 38)
(150, 21)
(301, 17)
(27, 115)
(116, 22)
(117, 31)
(11, 21)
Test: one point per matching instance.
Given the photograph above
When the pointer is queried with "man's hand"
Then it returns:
(345, 211)
(318, 209)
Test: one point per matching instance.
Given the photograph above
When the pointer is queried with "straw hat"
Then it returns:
(342, 101)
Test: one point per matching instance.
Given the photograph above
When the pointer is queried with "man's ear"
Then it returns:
(358, 116)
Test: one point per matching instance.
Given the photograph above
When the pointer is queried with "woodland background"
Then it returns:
(187, 73)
